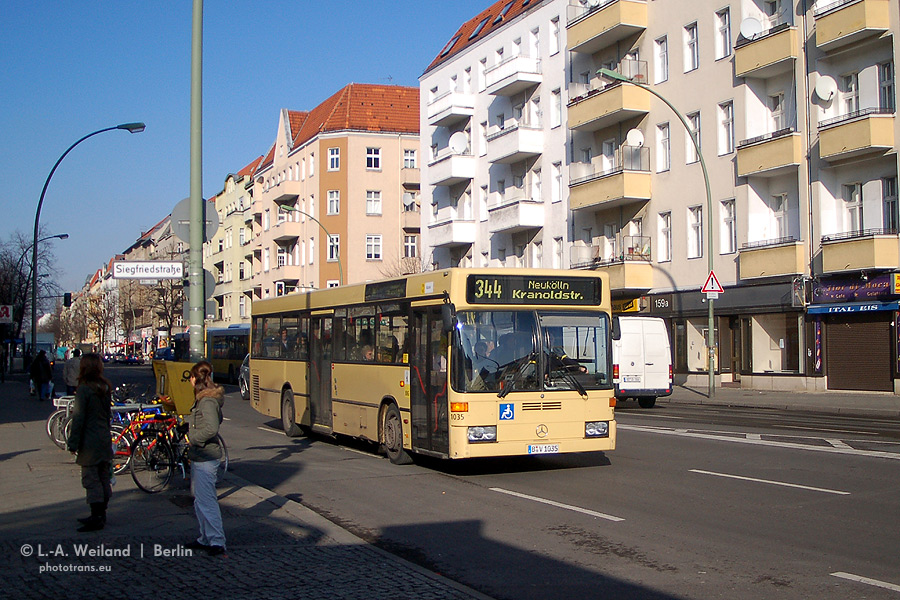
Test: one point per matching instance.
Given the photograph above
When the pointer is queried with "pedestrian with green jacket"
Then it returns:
(205, 454)
(90, 440)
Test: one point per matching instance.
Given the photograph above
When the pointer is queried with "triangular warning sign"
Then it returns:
(712, 285)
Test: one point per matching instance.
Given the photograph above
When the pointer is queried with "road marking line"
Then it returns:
(754, 436)
(270, 430)
(882, 584)
(743, 440)
(558, 504)
(838, 444)
(793, 485)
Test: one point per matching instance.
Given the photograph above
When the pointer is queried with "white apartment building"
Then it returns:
(793, 106)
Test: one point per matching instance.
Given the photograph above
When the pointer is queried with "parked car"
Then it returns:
(134, 359)
(244, 378)
(164, 354)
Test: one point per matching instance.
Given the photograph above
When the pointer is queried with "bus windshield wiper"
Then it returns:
(564, 372)
(510, 384)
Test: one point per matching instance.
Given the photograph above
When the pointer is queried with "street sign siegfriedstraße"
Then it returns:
(148, 270)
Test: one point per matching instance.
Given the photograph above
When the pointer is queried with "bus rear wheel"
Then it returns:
(288, 416)
(392, 436)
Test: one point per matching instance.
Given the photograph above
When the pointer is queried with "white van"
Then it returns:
(642, 360)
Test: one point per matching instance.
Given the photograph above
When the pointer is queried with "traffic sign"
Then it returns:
(712, 285)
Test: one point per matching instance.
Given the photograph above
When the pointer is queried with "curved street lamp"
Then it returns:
(610, 74)
(285, 208)
(129, 127)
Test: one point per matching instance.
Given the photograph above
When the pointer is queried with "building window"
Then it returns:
(663, 148)
(242, 236)
(373, 247)
(556, 105)
(780, 216)
(886, 98)
(776, 111)
(410, 246)
(312, 164)
(557, 191)
(281, 256)
(312, 250)
(889, 197)
(850, 93)
(690, 150)
(557, 253)
(266, 260)
(729, 228)
(334, 159)
(723, 33)
(853, 207)
(554, 36)
(695, 232)
(409, 159)
(266, 220)
(373, 158)
(241, 270)
(373, 202)
(334, 247)
(334, 202)
(661, 60)
(691, 48)
(242, 306)
(726, 128)
(665, 237)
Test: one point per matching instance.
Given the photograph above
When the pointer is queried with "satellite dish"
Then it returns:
(635, 137)
(593, 3)
(408, 199)
(750, 27)
(459, 141)
(825, 88)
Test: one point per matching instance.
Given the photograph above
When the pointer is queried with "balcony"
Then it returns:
(450, 169)
(860, 251)
(453, 232)
(773, 258)
(516, 215)
(591, 28)
(862, 132)
(410, 179)
(513, 75)
(844, 22)
(411, 220)
(513, 144)
(767, 54)
(450, 108)
(771, 154)
(626, 180)
(630, 272)
(595, 108)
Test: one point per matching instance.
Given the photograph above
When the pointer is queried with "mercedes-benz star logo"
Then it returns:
(542, 430)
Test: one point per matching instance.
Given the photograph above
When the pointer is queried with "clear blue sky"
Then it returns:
(70, 68)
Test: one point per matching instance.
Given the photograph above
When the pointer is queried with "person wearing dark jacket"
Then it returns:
(205, 453)
(41, 373)
(90, 440)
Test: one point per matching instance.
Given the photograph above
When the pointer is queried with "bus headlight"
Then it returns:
(483, 434)
(594, 429)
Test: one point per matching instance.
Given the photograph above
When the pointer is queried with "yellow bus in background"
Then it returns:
(226, 348)
(457, 363)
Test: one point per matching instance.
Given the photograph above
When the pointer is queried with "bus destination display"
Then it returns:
(520, 289)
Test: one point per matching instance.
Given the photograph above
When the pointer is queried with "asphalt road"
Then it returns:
(696, 502)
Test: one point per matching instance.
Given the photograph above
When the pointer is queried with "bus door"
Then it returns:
(320, 373)
(428, 381)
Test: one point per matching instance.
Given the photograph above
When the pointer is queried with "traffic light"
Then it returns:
(67, 299)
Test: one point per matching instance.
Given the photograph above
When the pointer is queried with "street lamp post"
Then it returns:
(284, 208)
(710, 334)
(129, 127)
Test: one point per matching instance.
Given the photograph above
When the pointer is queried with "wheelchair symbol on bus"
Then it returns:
(507, 413)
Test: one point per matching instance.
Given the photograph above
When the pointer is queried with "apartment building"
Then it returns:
(228, 255)
(793, 107)
(336, 197)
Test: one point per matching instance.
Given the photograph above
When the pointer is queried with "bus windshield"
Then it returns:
(503, 351)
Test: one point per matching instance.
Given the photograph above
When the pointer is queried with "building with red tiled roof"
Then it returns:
(351, 163)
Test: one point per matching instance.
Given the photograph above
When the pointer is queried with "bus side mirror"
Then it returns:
(448, 316)
(616, 330)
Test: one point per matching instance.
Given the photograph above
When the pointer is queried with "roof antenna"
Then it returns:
(389, 79)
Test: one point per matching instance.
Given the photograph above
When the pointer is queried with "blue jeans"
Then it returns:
(206, 503)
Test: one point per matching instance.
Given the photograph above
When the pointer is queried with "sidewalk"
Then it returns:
(859, 404)
(276, 547)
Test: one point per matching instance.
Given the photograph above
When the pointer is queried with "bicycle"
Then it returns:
(160, 450)
(60, 421)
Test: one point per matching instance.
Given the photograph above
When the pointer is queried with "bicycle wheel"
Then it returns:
(152, 462)
(223, 463)
(121, 440)
(56, 428)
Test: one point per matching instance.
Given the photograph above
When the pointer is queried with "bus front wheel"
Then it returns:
(288, 421)
(392, 436)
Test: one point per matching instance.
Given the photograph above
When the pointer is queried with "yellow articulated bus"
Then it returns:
(457, 363)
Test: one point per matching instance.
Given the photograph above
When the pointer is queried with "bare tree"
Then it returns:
(407, 265)
(15, 276)
(167, 301)
(101, 313)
